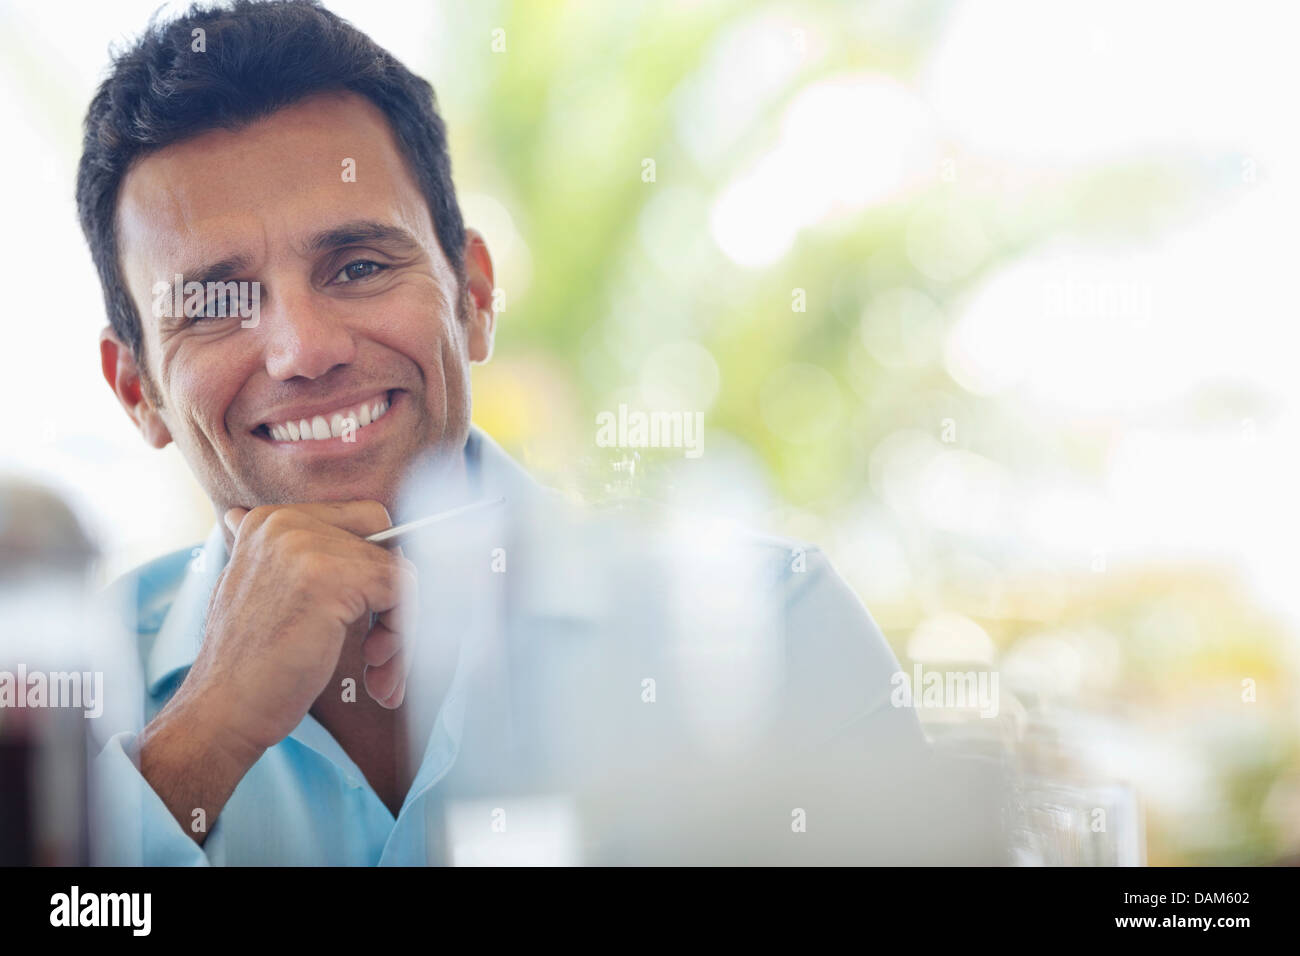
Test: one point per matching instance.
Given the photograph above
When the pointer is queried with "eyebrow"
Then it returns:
(218, 271)
(361, 232)
(356, 232)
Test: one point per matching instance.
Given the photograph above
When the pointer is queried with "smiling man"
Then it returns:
(361, 315)
(274, 146)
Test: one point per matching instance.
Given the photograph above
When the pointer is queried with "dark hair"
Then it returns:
(260, 56)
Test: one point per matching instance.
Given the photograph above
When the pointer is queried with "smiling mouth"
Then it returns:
(331, 424)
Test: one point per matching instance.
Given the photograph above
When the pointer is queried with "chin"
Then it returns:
(358, 492)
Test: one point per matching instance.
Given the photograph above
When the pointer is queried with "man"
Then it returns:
(273, 146)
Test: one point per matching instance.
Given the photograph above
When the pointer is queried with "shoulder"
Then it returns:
(778, 564)
(707, 565)
(836, 665)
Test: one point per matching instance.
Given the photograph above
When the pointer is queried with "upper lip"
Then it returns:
(319, 406)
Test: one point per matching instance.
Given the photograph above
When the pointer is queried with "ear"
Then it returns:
(482, 318)
(123, 377)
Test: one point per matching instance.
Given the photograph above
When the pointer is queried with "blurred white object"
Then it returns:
(48, 687)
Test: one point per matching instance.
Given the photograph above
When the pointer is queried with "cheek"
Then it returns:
(200, 388)
(430, 338)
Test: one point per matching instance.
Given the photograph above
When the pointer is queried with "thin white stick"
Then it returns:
(398, 531)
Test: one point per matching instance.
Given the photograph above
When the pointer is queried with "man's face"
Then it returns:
(358, 308)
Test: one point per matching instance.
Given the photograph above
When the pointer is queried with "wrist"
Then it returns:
(204, 722)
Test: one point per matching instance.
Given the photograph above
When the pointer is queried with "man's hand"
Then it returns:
(299, 577)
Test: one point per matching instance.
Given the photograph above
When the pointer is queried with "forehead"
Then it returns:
(262, 188)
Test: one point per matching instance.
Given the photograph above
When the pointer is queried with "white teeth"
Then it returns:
(319, 429)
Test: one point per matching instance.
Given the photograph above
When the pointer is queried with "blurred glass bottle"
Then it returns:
(1066, 813)
(46, 562)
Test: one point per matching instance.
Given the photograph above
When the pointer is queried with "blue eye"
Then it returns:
(355, 271)
(227, 300)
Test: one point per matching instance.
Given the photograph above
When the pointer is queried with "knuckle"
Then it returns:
(312, 565)
(295, 542)
(410, 583)
(405, 579)
(304, 565)
(275, 523)
(268, 515)
(301, 539)
(389, 589)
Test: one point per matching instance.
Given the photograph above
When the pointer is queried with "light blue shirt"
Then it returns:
(524, 639)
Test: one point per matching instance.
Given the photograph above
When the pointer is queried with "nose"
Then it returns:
(306, 335)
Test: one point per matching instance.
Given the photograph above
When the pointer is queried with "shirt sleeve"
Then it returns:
(129, 823)
(840, 668)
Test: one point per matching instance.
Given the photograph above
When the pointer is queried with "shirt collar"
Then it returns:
(181, 634)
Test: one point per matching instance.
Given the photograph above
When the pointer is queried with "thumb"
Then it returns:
(234, 517)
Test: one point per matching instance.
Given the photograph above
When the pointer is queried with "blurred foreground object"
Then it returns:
(45, 560)
(40, 537)
(647, 686)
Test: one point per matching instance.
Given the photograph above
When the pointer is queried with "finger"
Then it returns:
(399, 620)
(390, 586)
(394, 701)
(360, 518)
(390, 631)
(234, 518)
(383, 682)
(402, 618)
(380, 644)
